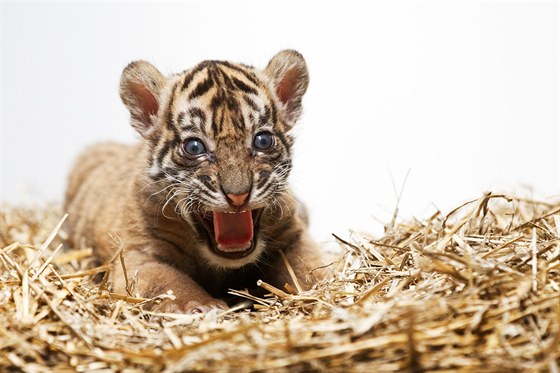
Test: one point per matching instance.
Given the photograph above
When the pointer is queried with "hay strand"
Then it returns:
(477, 289)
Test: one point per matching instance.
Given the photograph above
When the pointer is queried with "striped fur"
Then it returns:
(156, 197)
(225, 105)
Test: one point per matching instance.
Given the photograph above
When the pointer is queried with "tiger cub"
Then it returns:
(201, 205)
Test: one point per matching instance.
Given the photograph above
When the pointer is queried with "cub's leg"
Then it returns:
(155, 273)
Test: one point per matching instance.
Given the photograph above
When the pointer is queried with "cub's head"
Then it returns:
(219, 139)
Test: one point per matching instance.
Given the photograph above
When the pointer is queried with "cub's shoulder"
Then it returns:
(101, 157)
(96, 155)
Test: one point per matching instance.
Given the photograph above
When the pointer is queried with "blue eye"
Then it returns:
(194, 147)
(263, 140)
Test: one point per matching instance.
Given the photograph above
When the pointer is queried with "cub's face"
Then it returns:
(220, 145)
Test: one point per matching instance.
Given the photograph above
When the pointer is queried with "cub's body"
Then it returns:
(201, 205)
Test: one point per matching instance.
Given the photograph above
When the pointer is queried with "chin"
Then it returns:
(223, 263)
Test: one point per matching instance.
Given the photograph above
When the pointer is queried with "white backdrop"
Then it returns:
(463, 94)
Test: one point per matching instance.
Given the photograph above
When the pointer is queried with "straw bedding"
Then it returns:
(477, 290)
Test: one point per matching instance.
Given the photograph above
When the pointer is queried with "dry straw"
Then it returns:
(475, 290)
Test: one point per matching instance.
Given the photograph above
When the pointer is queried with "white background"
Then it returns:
(463, 94)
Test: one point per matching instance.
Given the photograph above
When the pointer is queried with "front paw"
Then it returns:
(190, 306)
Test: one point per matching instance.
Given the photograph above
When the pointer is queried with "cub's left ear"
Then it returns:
(288, 73)
(141, 87)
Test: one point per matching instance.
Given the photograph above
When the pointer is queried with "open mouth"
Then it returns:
(231, 234)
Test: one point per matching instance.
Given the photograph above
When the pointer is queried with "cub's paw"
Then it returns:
(191, 306)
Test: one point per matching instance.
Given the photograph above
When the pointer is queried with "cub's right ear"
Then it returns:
(141, 87)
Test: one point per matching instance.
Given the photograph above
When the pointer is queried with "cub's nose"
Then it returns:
(237, 199)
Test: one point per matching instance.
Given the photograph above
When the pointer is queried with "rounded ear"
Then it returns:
(141, 86)
(290, 78)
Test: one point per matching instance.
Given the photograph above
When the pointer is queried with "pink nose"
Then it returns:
(237, 199)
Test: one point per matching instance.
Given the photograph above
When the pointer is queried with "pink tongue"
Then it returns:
(233, 230)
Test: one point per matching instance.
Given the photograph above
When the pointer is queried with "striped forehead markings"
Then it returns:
(201, 88)
(225, 105)
(191, 73)
(216, 70)
(244, 87)
(244, 70)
